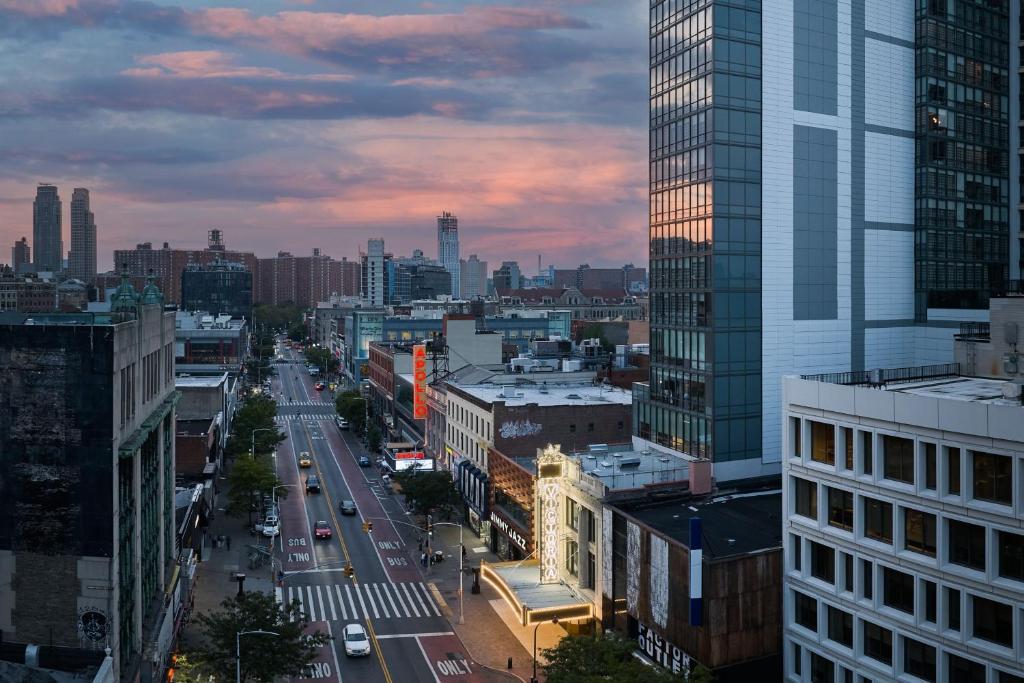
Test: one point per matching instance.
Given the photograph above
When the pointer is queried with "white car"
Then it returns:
(271, 526)
(356, 642)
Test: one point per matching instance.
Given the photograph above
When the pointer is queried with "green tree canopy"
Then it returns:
(428, 492)
(583, 659)
(250, 479)
(257, 412)
(263, 657)
(276, 317)
(351, 406)
(322, 358)
(373, 438)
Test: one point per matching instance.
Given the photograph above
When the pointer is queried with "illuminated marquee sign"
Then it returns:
(409, 455)
(419, 382)
(549, 465)
(508, 530)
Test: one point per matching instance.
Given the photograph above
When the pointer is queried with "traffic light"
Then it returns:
(430, 526)
(367, 527)
(350, 570)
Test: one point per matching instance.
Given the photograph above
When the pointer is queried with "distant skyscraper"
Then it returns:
(472, 277)
(448, 246)
(46, 229)
(82, 263)
(21, 254)
(509, 276)
(374, 273)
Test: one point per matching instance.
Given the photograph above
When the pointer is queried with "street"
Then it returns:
(404, 616)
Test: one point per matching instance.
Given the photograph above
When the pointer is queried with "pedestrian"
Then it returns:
(228, 539)
(421, 545)
(463, 551)
(423, 559)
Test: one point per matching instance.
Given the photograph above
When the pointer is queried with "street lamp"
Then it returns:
(533, 679)
(252, 446)
(238, 649)
(462, 559)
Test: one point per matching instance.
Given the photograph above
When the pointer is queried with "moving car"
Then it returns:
(356, 642)
(364, 461)
(312, 484)
(341, 422)
(347, 507)
(321, 530)
(305, 460)
(319, 386)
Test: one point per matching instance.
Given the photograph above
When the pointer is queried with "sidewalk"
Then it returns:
(484, 633)
(215, 575)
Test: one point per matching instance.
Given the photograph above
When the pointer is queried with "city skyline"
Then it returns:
(181, 119)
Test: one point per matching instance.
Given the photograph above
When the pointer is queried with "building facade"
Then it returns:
(47, 241)
(87, 527)
(472, 278)
(21, 255)
(221, 287)
(448, 248)
(374, 287)
(829, 158)
(583, 304)
(300, 280)
(207, 344)
(903, 543)
(82, 261)
(508, 276)
(26, 293)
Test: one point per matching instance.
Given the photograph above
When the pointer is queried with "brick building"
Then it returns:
(304, 280)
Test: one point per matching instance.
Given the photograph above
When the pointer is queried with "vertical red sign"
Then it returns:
(419, 382)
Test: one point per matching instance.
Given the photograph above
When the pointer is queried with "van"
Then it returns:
(312, 484)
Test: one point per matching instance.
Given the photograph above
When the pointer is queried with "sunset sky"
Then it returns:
(304, 123)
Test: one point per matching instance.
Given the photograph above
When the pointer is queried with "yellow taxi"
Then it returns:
(305, 460)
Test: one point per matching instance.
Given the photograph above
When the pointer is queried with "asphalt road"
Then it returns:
(410, 635)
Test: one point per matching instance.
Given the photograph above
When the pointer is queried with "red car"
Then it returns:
(321, 530)
(319, 386)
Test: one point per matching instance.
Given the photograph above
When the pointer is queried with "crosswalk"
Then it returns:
(321, 404)
(291, 417)
(347, 602)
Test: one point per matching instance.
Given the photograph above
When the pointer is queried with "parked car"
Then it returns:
(347, 507)
(312, 484)
(322, 530)
(364, 461)
(319, 386)
(356, 642)
(341, 422)
(305, 460)
(271, 526)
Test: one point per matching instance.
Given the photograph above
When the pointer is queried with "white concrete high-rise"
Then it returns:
(448, 247)
(82, 261)
(374, 274)
(473, 277)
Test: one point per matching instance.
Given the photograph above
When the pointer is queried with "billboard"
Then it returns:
(419, 382)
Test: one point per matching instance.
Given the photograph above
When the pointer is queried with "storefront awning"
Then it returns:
(519, 584)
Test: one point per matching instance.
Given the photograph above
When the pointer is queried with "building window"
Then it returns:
(806, 498)
(867, 579)
(823, 562)
(964, 670)
(795, 542)
(992, 477)
(993, 621)
(794, 430)
(572, 514)
(919, 659)
(806, 611)
(953, 472)
(929, 466)
(848, 446)
(953, 609)
(840, 626)
(898, 458)
(1005, 677)
(898, 590)
(840, 508)
(590, 426)
(867, 465)
(823, 670)
(967, 545)
(797, 659)
(929, 601)
(877, 642)
(1011, 556)
(572, 428)
(919, 532)
(848, 572)
(823, 443)
(878, 520)
(572, 557)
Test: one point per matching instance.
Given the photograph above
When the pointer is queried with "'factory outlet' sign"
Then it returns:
(661, 651)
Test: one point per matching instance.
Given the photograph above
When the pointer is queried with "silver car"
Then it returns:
(356, 642)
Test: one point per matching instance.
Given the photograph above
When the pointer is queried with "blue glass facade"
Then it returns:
(704, 395)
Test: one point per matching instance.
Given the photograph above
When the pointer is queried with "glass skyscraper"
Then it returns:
(448, 247)
(47, 245)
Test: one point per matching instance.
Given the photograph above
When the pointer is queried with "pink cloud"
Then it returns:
(213, 64)
(39, 8)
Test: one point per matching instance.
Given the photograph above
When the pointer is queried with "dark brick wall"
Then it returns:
(530, 427)
(49, 617)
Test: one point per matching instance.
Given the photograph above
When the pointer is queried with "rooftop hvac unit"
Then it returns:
(629, 463)
(1011, 390)
(598, 448)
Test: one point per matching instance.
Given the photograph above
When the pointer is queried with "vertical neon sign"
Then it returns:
(419, 382)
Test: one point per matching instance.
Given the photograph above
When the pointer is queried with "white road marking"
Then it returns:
(351, 602)
(369, 597)
(416, 635)
(341, 602)
(408, 597)
(430, 599)
(383, 606)
(309, 605)
(330, 601)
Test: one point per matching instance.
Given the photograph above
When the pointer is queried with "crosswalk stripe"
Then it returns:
(309, 605)
(359, 594)
(320, 599)
(398, 594)
(341, 602)
(351, 602)
(412, 605)
(383, 607)
(419, 597)
(369, 599)
(430, 599)
(330, 602)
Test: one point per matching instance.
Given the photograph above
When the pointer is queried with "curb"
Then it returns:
(441, 602)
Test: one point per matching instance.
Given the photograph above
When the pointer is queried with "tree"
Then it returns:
(263, 657)
(256, 413)
(276, 317)
(297, 331)
(249, 478)
(352, 406)
(373, 438)
(428, 492)
(322, 358)
(583, 659)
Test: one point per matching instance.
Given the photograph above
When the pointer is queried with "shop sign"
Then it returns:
(508, 530)
(419, 382)
(409, 455)
(661, 651)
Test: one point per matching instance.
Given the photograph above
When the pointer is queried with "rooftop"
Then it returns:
(735, 524)
(931, 381)
(210, 381)
(193, 427)
(627, 467)
(547, 394)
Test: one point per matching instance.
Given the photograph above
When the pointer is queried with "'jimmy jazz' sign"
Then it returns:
(419, 382)
(661, 651)
(507, 529)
